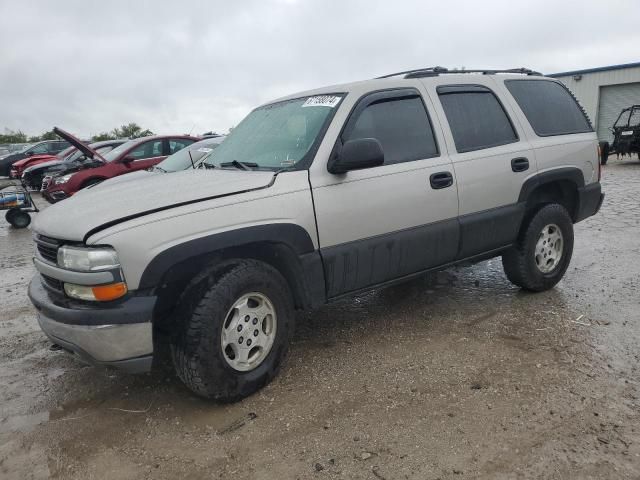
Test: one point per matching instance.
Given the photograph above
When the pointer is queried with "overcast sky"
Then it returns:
(174, 66)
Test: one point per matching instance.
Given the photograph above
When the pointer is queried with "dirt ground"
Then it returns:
(458, 375)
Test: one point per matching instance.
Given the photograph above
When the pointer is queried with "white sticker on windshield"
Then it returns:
(322, 101)
(205, 150)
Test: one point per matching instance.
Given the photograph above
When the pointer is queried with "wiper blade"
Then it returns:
(155, 167)
(240, 165)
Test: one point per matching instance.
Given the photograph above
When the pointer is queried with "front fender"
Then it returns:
(291, 235)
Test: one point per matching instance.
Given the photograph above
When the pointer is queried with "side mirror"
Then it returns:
(29, 154)
(127, 159)
(358, 154)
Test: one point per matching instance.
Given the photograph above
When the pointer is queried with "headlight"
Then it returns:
(63, 179)
(87, 259)
(91, 260)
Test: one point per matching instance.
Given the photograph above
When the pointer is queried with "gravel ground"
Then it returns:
(458, 375)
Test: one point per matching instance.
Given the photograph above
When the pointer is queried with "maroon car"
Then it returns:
(137, 154)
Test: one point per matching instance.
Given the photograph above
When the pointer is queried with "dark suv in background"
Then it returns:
(47, 147)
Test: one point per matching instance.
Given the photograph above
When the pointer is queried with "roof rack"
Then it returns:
(435, 71)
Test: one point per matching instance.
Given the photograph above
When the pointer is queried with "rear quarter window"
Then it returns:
(549, 107)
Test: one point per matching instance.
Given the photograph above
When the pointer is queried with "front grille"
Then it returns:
(52, 283)
(47, 248)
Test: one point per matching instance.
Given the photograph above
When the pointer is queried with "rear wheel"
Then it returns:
(604, 152)
(234, 331)
(543, 251)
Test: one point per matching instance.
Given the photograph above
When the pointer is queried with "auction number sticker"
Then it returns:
(322, 101)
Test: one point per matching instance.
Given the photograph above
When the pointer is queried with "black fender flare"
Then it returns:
(291, 235)
(571, 174)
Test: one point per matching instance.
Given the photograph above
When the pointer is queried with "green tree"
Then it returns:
(50, 135)
(131, 130)
(11, 136)
(103, 136)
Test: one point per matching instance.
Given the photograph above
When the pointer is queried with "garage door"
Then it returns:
(613, 98)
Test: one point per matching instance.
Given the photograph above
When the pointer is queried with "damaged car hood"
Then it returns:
(109, 203)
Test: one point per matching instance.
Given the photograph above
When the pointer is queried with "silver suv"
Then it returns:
(312, 197)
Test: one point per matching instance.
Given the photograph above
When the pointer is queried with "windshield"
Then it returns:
(66, 152)
(77, 154)
(276, 136)
(116, 152)
(195, 152)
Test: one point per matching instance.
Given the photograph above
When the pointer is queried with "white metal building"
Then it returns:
(604, 91)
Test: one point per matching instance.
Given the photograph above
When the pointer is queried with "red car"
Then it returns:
(21, 165)
(137, 154)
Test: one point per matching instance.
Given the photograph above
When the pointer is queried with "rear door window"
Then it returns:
(476, 117)
(401, 125)
(549, 107)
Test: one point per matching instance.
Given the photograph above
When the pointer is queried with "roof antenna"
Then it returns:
(193, 165)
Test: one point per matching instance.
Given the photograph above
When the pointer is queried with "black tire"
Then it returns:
(519, 261)
(604, 152)
(17, 218)
(10, 214)
(197, 352)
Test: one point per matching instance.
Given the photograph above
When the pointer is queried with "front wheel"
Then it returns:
(543, 251)
(234, 331)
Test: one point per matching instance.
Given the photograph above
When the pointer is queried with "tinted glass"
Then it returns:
(477, 119)
(400, 125)
(147, 150)
(549, 107)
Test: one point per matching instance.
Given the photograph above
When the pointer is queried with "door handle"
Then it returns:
(441, 180)
(519, 164)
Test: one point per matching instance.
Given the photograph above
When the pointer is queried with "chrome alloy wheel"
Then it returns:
(249, 331)
(549, 248)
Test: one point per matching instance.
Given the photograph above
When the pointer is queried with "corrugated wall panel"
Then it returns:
(613, 98)
(587, 89)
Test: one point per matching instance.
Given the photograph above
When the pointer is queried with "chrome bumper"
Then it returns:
(118, 335)
(125, 346)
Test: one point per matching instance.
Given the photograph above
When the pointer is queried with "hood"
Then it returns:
(32, 158)
(109, 203)
(42, 165)
(133, 176)
(87, 150)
